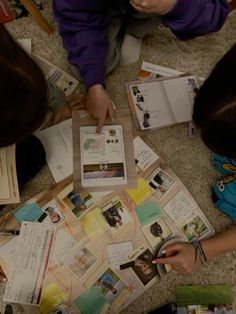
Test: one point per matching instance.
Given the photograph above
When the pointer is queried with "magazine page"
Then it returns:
(151, 105)
(181, 92)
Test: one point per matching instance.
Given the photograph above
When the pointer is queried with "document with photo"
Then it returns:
(144, 155)
(30, 263)
(66, 82)
(9, 191)
(185, 214)
(102, 156)
(159, 103)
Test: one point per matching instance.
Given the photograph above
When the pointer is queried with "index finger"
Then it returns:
(165, 260)
(100, 124)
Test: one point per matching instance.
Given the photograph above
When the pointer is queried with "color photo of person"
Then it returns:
(116, 215)
(78, 202)
(143, 267)
(110, 285)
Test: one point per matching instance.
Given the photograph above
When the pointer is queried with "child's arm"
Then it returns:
(83, 27)
(188, 19)
(181, 256)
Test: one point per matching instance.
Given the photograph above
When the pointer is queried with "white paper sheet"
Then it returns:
(118, 253)
(30, 263)
(57, 141)
(144, 155)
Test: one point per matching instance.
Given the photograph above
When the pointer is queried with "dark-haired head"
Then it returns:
(23, 90)
(215, 107)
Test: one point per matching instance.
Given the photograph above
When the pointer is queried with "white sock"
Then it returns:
(130, 50)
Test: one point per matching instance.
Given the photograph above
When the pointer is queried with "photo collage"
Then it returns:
(107, 241)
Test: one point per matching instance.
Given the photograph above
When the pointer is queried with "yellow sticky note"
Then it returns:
(52, 296)
(93, 223)
(141, 193)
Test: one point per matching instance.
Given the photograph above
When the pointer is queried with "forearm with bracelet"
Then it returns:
(199, 252)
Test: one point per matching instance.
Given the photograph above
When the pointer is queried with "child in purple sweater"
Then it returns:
(93, 33)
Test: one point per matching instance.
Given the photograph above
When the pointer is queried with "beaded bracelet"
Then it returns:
(199, 252)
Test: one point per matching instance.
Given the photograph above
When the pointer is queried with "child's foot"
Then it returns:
(224, 195)
(223, 164)
(130, 50)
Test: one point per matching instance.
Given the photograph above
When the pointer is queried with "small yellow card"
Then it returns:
(141, 193)
(52, 296)
(93, 223)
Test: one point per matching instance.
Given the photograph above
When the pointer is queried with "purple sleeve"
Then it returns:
(83, 28)
(191, 18)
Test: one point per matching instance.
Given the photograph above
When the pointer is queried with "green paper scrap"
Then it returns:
(148, 212)
(204, 295)
(29, 212)
(91, 301)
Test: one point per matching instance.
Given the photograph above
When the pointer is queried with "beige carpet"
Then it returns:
(189, 158)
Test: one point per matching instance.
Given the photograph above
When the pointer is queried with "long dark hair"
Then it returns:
(23, 91)
(215, 107)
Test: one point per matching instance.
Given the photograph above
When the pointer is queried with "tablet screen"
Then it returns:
(102, 156)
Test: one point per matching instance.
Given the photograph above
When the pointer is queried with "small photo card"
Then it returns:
(194, 228)
(52, 214)
(142, 265)
(79, 260)
(78, 202)
(115, 214)
(156, 232)
(160, 182)
(106, 288)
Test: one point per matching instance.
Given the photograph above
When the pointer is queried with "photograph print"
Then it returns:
(79, 260)
(161, 182)
(78, 202)
(194, 228)
(143, 267)
(156, 232)
(116, 214)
